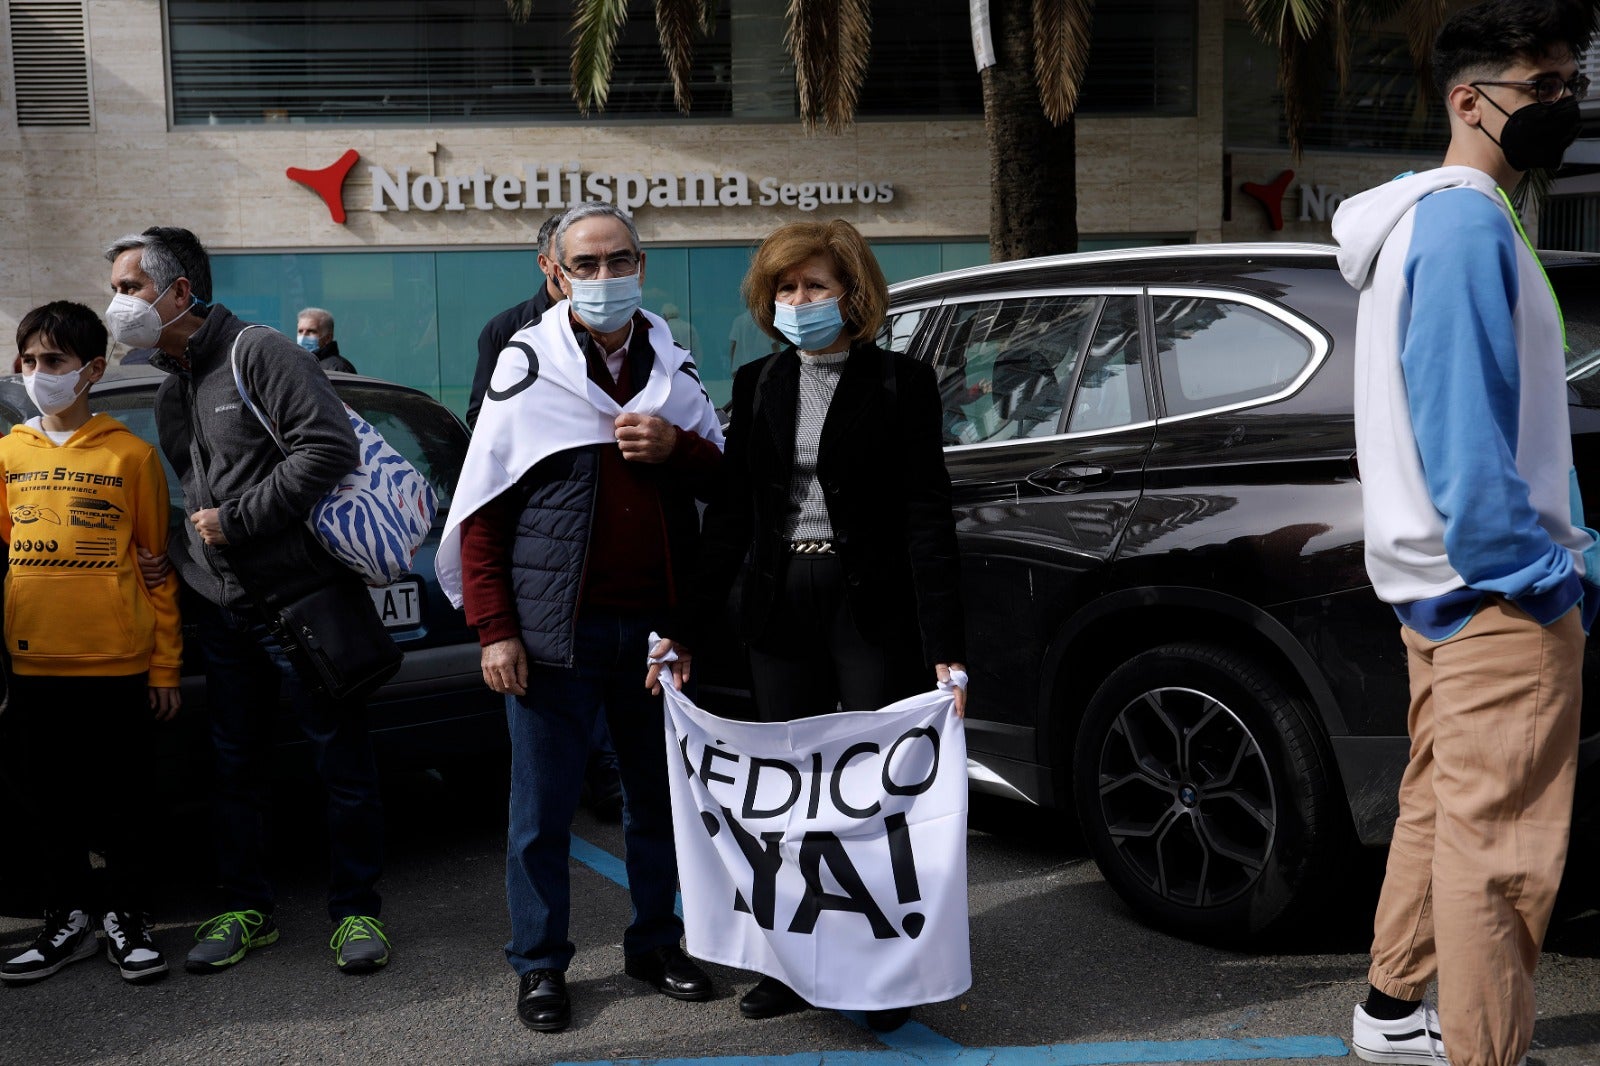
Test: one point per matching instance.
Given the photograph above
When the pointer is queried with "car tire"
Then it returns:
(1206, 794)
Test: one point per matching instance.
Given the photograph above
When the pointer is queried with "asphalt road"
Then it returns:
(1062, 972)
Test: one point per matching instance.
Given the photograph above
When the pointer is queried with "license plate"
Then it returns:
(399, 605)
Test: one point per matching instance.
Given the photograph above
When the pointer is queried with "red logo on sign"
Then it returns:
(328, 182)
(1271, 196)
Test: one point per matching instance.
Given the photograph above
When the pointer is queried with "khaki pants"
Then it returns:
(1485, 808)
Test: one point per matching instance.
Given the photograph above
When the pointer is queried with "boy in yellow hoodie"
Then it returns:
(94, 653)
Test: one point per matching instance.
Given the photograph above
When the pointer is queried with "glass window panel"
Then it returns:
(1142, 60)
(902, 262)
(474, 286)
(898, 331)
(1217, 352)
(438, 62)
(1004, 366)
(1111, 389)
(1378, 110)
(377, 62)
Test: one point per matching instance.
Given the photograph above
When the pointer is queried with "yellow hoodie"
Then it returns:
(74, 515)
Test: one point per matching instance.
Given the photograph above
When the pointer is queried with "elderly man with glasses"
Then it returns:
(575, 548)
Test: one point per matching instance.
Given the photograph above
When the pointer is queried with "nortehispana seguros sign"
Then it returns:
(558, 186)
(829, 852)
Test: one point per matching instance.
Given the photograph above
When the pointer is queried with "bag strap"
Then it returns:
(244, 394)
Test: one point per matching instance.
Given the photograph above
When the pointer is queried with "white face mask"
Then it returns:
(54, 393)
(136, 323)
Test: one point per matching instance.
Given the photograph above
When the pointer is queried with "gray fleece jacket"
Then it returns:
(225, 459)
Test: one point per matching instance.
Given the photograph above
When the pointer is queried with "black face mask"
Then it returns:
(1537, 135)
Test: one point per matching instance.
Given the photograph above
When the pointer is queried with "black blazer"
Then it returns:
(880, 461)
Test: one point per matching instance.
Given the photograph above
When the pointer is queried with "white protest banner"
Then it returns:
(827, 852)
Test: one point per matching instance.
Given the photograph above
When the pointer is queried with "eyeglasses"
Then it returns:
(587, 268)
(1548, 88)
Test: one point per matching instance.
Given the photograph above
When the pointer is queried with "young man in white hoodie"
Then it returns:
(1474, 532)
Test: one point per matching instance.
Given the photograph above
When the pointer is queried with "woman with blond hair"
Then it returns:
(835, 503)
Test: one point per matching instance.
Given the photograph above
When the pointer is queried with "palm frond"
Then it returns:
(519, 10)
(595, 25)
(677, 22)
(1275, 21)
(830, 43)
(1340, 26)
(1423, 19)
(1061, 35)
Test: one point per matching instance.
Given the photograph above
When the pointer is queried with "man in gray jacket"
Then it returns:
(247, 504)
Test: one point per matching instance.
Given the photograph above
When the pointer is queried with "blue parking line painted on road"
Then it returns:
(914, 1044)
(942, 1052)
(609, 866)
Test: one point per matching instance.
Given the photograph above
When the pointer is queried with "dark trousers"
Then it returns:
(552, 729)
(245, 668)
(83, 765)
(814, 660)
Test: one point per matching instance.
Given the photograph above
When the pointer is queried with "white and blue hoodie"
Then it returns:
(1460, 405)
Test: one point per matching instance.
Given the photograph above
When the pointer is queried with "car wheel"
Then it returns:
(1205, 793)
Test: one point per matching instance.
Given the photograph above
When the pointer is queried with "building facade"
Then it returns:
(391, 162)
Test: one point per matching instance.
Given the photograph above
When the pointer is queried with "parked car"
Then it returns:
(1170, 625)
(436, 712)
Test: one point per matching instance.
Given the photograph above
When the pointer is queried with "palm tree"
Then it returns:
(1029, 94)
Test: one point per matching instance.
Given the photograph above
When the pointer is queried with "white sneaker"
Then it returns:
(1413, 1039)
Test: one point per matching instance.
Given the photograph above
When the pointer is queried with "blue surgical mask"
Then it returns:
(605, 305)
(811, 326)
(309, 343)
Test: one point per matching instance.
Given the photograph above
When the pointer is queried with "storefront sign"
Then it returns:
(1317, 202)
(559, 185)
(542, 187)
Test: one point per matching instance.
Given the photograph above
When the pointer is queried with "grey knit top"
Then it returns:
(808, 514)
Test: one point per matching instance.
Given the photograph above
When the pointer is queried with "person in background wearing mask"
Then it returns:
(1474, 533)
(94, 653)
(565, 573)
(498, 330)
(314, 332)
(247, 537)
(835, 491)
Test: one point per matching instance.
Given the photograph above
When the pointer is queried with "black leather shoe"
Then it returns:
(542, 1001)
(887, 1021)
(671, 972)
(769, 998)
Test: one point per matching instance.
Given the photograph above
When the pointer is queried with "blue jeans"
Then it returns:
(245, 667)
(552, 728)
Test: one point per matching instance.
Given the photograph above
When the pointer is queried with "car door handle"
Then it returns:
(1068, 477)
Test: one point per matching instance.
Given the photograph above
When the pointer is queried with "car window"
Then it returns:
(1213, 352)
(1578, 288)
(1111, 388)
(898, 330)
(1004, 366)
(135, 410)
(423, 431)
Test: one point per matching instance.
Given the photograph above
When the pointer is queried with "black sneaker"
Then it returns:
(129, 947)
(68, 936)
(225, 939)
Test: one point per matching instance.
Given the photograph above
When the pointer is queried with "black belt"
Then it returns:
(811, 547)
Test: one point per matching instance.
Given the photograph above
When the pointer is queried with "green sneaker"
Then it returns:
(225, 939)
(359, 945)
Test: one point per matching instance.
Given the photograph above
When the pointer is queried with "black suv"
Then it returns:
(1169, 620)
